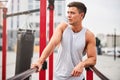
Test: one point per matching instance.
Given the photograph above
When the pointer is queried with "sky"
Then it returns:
(103, 16)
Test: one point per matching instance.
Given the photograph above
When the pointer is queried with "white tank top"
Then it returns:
(69, 54)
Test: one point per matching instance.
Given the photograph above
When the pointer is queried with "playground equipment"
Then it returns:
(42, 75)
(24, 54)
(20, 50)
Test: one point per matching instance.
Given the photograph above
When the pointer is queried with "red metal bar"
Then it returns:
(4, 43)
(50, 35)
(89, 74)
(42, 74)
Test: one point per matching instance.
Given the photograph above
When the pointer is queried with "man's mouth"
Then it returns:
(69, 19)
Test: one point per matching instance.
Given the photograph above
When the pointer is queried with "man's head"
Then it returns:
(80, 6)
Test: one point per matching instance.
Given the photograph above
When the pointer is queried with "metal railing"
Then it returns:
(29, 72)
(23, 75)
(98, 73)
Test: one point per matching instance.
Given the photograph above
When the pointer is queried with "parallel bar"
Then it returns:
(4, 43)
(42, 74)
(23, 75)
(99, 74)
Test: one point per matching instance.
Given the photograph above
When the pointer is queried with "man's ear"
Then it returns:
(82, 15)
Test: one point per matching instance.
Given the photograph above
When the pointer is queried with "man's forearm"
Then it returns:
(46, 53)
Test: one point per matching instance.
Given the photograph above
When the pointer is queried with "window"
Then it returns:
(59, 10)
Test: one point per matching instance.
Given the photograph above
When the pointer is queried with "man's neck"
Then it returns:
(76, 28)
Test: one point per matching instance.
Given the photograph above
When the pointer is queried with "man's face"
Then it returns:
(74, 16)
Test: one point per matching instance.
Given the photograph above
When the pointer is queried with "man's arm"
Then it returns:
(90, 50)
(55, 40)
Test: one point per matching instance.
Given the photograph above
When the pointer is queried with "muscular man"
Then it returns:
(74, 39)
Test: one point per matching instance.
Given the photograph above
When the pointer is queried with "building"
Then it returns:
(112, 40)
(108, 40)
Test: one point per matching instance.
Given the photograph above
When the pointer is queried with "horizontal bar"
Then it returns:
(21, 13)
(23, 75)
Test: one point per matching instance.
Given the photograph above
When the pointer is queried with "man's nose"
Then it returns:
(68, 15)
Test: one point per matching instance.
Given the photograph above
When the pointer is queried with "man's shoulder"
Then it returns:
(62, 25)
(89, 35)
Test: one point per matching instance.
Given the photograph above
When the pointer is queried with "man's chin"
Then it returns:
(70, 23)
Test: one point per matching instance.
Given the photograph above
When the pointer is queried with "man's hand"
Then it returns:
(38, 65)
(78, 69)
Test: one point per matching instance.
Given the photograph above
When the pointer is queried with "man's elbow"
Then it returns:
(94, 61)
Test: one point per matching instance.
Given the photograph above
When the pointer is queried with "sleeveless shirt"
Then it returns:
(69, 54)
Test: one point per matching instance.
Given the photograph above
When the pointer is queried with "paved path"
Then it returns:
(105, 64)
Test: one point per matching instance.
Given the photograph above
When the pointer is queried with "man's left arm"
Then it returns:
(90, 50)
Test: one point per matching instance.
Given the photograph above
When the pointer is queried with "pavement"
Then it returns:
(105, 64)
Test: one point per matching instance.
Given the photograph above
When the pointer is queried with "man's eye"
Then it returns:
(72, 13)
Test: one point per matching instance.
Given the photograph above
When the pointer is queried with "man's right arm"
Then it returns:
(55, 40)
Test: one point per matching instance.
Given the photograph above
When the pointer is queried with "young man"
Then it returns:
(74, 39)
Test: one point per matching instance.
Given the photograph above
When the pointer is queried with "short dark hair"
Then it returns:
(79, 5)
